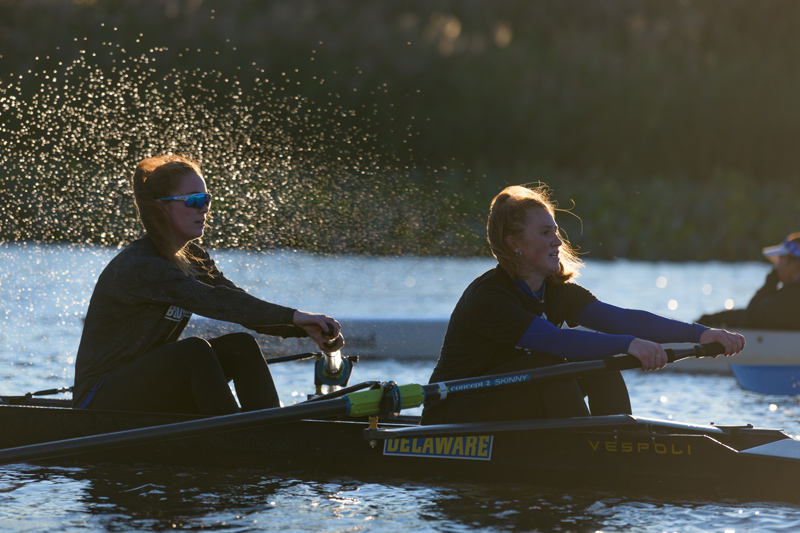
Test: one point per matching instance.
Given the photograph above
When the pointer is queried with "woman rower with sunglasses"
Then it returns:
(130, 357)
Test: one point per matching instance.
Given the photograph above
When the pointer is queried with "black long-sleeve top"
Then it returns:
(774, 308)
(143, 301)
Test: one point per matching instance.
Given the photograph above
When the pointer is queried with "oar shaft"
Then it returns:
(50, 450)
(559, 372)
(525, 377)
(295, 357)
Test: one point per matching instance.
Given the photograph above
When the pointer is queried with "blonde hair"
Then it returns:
(507, 217)
(158, 177)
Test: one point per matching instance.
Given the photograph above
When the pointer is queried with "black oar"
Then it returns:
(388, 399)
(106, 441)
(562, 371)
(294, 357)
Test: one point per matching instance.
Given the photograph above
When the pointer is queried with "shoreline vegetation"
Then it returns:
(387, 127)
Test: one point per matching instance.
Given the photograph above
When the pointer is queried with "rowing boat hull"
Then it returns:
(621, 452)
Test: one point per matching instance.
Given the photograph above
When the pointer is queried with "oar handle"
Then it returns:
(628, 362)
(329, 329)
(711, 349)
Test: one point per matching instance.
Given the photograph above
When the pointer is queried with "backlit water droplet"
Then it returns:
(285, 170)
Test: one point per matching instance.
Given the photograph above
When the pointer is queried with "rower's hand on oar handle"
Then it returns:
(325, 330)
(650, 354)
(732, 343)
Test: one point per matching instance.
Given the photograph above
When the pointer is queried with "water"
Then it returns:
(45, 290)
(73, 131)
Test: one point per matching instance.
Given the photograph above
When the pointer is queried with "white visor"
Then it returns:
(787, 247)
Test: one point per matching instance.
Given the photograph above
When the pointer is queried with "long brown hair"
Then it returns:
(507, 217)
(158, 177)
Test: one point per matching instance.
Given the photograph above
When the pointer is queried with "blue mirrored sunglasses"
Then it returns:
(199, 200)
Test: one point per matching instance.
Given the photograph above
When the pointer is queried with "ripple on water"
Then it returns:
(129, 498)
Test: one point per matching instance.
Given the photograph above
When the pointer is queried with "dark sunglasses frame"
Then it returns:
(199, 200)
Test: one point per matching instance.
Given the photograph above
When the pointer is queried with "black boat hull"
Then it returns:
(621, 453)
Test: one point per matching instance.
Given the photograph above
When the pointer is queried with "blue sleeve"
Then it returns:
(572, 344)
(607, 318)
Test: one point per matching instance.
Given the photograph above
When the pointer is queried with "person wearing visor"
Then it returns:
(776, 305)
(130, 357)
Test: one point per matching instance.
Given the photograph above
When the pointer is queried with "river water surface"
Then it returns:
(44, 292)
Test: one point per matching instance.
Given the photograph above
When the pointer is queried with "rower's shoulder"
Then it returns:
(140, 248)
(490, 281)
(494, 276)
(139, 256)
